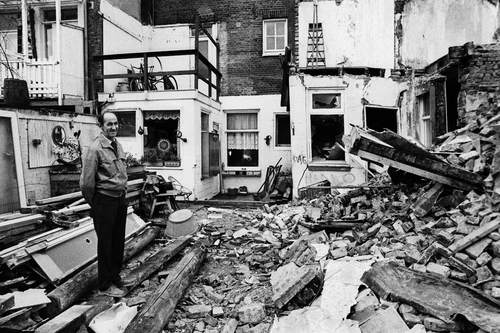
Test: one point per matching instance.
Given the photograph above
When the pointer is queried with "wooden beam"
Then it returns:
(475, 236)
(411, 169)
(21, 222)
(69, 292)
(155, 262)
(157, 311)
(117, 56)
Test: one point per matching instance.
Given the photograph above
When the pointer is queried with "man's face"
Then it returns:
(110, 125)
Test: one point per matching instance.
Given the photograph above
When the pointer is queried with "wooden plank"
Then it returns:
(59, 198)
(442, 298)
(70, 210)
(22, 221)
(419, 172)
(68, 321)
(475, 236)
(157, 311)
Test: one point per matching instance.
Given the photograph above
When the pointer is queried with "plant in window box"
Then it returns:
(68, 151)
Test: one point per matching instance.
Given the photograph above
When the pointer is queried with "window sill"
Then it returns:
(272, 53)
(241, 173)
(329, 166)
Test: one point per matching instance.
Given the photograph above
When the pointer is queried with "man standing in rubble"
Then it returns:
(104, 184)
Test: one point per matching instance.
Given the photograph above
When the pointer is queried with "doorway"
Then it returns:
(379, 118)
(9, 190)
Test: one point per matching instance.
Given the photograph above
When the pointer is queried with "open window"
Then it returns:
(161, 138)
(205, 150)
(282, 131)
(68, 15)
(242, 140)
(326, 138)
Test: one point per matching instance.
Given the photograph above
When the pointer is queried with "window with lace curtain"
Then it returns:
(242, 140)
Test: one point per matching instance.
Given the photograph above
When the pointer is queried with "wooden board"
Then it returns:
(419, 172)
(442, 298)
(68, 321)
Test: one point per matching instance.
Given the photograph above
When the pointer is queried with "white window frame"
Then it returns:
(239, 168)
(324, 112)
(274, 52)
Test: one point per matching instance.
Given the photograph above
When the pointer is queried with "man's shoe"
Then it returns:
(114, 291)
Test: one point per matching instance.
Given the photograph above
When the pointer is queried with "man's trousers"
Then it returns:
(109, 214)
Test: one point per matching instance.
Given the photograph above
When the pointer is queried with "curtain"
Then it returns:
(242, 141)
(158, 115)
(242, 121)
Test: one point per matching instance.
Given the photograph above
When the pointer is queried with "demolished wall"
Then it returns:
(480, 83)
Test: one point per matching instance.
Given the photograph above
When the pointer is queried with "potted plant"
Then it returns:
(15, 91)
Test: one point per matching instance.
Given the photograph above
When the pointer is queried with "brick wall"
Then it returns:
(244, 70)
(479, 80)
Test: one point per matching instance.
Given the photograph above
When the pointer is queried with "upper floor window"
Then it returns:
(274, 36)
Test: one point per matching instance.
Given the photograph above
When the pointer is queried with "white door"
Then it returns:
(9, 192)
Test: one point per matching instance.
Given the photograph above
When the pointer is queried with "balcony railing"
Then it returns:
(194, 71)
(41, 76)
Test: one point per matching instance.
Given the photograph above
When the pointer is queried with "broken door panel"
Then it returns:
(63, 256)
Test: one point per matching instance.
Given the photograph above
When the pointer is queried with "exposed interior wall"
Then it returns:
(356, 91)
(131, 7)
(425, 29)
(356, 33)
(267, 106)
(36, 179)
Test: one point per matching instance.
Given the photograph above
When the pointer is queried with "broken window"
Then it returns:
(242, 140)
(326, 101)
(205, 153)
(282, 132)
(274, 36)
(326, 138)
(126, 123)
(161, 138)
(424, 110)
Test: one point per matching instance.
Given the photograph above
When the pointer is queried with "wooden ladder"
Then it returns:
(315, 42)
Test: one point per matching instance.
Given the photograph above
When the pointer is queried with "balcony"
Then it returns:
(193, 64)
(41, 77)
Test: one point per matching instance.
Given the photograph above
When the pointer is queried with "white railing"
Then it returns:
(41, 76)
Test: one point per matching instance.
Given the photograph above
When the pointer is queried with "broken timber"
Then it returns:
(475, 236)
(442, 298)
(69, 292)
(369, 147)
(155, 262)
(161, 305)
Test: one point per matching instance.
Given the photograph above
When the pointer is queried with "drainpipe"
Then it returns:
(58, 52)
(85, 53)
(24, 22)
